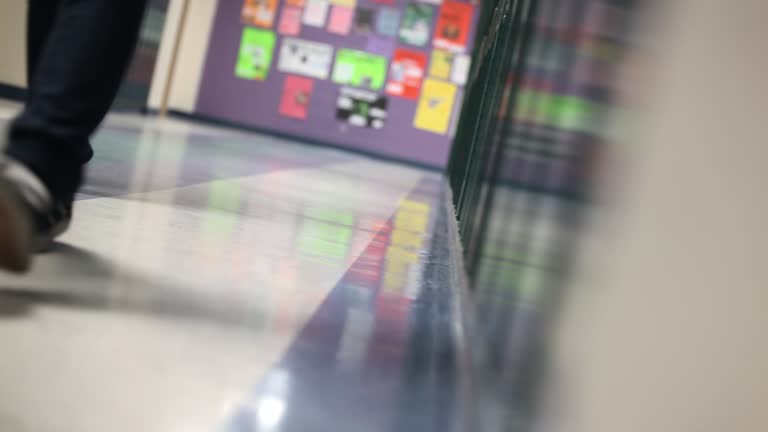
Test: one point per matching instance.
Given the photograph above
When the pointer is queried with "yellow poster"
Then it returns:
(440, 66)
(346, 3)
(435, 106)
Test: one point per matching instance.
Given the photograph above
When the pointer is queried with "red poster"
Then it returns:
(453, 22)
(296, 94)
(406, 73)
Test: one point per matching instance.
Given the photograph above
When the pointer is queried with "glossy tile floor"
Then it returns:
(216, 280)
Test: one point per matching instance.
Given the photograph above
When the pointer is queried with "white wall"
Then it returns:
(13, 28)
(192, 51)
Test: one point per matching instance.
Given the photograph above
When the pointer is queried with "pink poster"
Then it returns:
(341, 20)
(290, 21)
(295, 100)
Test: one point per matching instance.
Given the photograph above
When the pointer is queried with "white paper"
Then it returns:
(358, 120)
(315, 13)
(344, 72)
(306, 58)
(460, 70)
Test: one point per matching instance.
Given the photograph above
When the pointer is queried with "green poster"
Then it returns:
(415, 27)
(359, 69)
(255, 56)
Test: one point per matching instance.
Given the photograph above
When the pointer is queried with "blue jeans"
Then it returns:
(77, 54)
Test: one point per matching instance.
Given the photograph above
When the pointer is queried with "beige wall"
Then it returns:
(13, 29)
(191, 56)
(665, 328)
(193, 48)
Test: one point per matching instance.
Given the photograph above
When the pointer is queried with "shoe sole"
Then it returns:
(15, 234)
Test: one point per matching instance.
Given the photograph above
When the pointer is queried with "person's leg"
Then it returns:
(40, 18)
(78, 53)
(74, 81)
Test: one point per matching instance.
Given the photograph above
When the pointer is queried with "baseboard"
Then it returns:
(457, 294)
(13, 92)
(215, 121)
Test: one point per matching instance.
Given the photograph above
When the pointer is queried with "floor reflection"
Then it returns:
(195, 258)
(378, 354)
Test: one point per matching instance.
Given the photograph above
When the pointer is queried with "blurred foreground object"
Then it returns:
(663, 326)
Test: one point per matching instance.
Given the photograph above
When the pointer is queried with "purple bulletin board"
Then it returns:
(257, 102)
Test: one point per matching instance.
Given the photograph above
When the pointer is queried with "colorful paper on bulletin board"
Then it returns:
(460, 72)
(452, 29)
(296, 94)
(415, 27)
(406, 73)
(435, 106)
(315, 13)
(295, 3)
(361, 108)
(255, 56)
(387, 21)
(440, 66)
(304, 57)
(359, 69)
(340, 20)
(259, 12)
(380, 46)
(363, 21)
(290, 21)
(346, 3)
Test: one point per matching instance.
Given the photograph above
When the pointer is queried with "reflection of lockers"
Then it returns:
(343, 46)
(535, 123)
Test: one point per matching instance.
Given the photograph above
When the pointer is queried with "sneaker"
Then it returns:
(30, 219)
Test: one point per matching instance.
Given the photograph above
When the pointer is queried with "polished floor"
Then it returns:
(221, 281)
